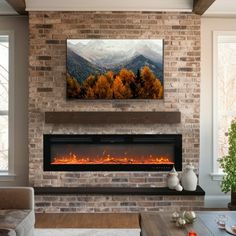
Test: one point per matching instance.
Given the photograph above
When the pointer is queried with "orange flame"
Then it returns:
(74, 159)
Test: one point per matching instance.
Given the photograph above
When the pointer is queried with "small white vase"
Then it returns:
(172, 179)
(178, 188)
(189, 178)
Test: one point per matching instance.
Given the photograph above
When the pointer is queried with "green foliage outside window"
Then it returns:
(228, 162)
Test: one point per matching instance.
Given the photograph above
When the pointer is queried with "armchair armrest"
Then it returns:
(16, 198)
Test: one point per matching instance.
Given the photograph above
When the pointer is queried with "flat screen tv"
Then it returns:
(115, 69)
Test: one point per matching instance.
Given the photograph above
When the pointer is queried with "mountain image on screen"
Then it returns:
(115, 69)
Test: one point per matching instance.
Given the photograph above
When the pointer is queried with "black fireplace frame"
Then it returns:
(175, 139)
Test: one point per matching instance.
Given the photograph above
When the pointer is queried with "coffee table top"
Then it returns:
(155, 224)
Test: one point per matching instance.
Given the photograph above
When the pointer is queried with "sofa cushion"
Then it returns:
(21, 221)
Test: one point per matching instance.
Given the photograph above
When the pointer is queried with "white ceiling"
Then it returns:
(109, 5)
(218, 8)
(6, 9)
(222, 7)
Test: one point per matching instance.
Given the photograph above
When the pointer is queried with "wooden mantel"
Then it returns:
(113, 117)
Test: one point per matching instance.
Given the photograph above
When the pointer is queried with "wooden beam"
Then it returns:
(200, 6)
(18, 6)
(116, 117)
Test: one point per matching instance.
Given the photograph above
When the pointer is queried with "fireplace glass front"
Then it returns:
(112, 152)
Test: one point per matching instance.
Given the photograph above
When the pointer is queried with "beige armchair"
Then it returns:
(17, 211)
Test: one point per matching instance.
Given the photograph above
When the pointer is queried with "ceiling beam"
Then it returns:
(18, 6)
(200, 6)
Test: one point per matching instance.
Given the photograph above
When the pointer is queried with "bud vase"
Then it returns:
(172, 179)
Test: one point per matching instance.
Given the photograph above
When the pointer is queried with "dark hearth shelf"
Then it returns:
(113, 117)
(115, 191)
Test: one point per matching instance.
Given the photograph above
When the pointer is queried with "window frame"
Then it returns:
(10, 174)
(217, 174)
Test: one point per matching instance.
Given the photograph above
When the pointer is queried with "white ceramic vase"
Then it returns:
(172, 179)
(189, 178)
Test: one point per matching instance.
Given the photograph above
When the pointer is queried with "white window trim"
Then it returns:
(10, 174)
(216, 175)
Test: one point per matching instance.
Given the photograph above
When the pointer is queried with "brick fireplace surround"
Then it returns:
(47, 81)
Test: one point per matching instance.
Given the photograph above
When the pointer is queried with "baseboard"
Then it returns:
(213, 201)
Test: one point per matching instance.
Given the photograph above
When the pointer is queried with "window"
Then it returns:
(224, 90)
(6, 82)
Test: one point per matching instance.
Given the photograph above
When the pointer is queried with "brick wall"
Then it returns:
(47, 92)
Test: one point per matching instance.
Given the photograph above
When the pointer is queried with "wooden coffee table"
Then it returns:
(159, 224)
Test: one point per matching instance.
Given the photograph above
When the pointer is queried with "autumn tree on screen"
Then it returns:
(121, 85)
(103, 89)
(120, 90)
(150, 86)
(88, 86)
(73, 87)
(110, 76)
(127, 76)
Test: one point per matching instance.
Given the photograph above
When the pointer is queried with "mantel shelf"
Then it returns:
(115, 191)
(113, 117)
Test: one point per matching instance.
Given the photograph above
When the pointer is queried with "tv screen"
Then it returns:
(115, 69)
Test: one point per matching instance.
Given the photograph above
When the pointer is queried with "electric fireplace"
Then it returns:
(112, 152)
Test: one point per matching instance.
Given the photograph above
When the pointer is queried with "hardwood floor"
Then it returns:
(87, 220)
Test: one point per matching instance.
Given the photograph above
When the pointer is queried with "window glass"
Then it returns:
(4, 79)
(226, 91)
